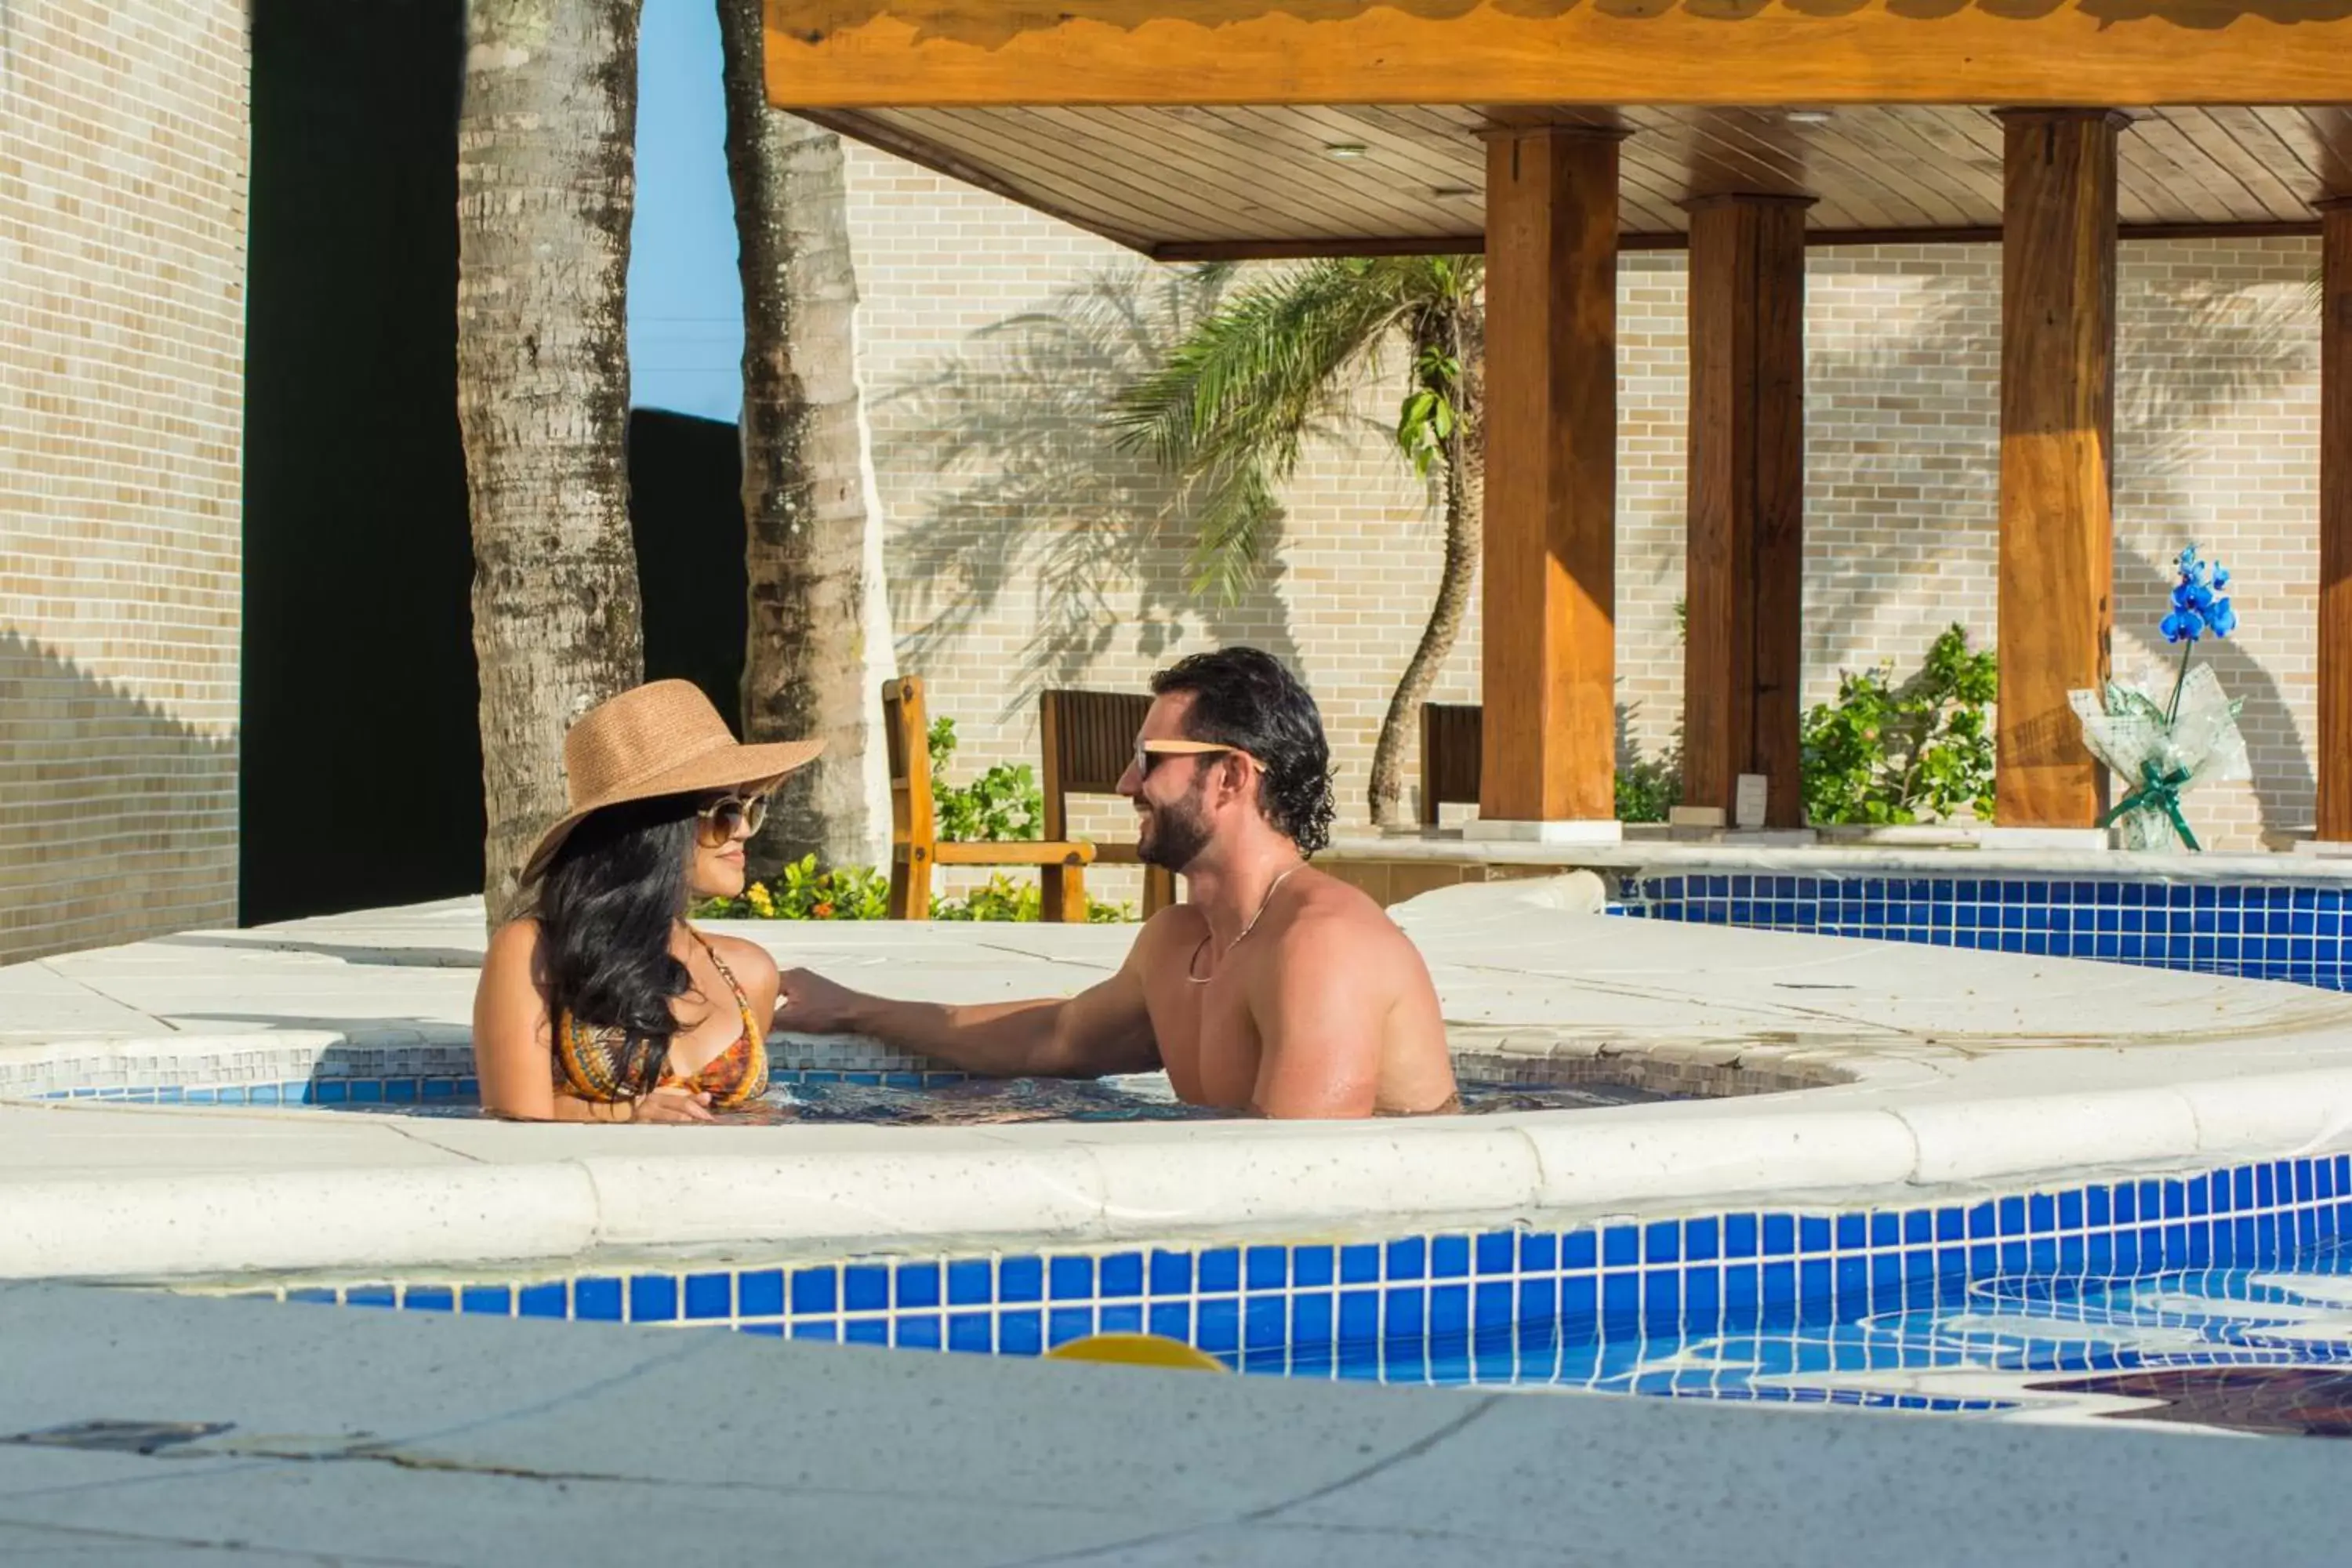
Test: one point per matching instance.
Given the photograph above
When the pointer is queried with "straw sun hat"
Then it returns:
(662, 738)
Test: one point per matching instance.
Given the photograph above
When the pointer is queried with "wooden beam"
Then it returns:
(1547, 621)
(1744, 585)
(2334, 751)
(840, 54)
(2057, 427)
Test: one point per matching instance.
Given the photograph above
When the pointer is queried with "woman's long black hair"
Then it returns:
(606, 905)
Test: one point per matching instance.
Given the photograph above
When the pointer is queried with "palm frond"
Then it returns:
(1229, 409)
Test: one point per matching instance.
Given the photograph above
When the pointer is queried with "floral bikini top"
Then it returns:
(597, 1063)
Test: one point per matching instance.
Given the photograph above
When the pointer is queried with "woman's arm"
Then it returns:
(514, 1039)
(514, 1047)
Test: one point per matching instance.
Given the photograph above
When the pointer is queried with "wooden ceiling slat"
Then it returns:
(2199, 190)
(1941, 158)
(2268, 165)
(1722, 153)
(1146, 145)
(2299, 150)
(2321, 138)
(1199, 158)
(1428, 159)
(2229, 180)
(1092, 193)
(1180, 178)
(1297, 141)
(1856, 166)
(1649, 192)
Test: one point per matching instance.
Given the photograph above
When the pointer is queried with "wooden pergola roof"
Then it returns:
(1191, 129)
(1188, 181)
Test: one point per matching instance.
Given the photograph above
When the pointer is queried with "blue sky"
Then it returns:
(686, 305)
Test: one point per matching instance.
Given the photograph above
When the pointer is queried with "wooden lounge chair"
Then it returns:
(1451, 733)
(1088, 738)
(915, 846)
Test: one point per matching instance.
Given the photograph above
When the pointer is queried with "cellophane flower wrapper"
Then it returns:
(2127, 729)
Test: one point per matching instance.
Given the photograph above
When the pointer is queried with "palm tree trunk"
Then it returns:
(1463, 482)
(546, 173)
(819, 642)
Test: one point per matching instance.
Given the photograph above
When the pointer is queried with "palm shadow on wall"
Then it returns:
(2243, 344)
(142, 823)
(2247, 343)
(1031, 485)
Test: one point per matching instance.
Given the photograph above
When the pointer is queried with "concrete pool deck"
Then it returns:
(1962, 1070)
(366, 1437)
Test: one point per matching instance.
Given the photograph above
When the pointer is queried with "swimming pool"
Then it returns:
(2220, 1299)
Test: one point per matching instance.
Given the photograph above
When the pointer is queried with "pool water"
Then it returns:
(948, 1100)
(2249, 1350)
(2220, 1299)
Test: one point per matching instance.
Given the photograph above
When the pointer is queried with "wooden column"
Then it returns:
(2335, 758)
(2057, 424)
(1547, 621)
(1744, 589)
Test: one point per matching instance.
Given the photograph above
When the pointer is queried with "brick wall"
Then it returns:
(1020, 545)
(122, 165)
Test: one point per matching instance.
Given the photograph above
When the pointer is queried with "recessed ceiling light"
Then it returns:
(1808, 117)
(1346, 152)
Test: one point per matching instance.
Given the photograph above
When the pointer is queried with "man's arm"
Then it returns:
(1321, 1011)
(1105, 1028)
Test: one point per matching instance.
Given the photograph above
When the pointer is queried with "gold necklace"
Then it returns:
(1191, 962)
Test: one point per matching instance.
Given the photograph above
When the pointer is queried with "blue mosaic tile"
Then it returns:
(713, 1296)
(652, 1299)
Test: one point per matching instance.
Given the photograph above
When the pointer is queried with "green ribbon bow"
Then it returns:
(2161, 790)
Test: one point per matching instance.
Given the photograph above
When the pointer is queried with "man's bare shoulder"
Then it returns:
(1178, 925)
(1338, 919)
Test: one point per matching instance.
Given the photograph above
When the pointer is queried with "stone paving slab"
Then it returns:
(405, 1438)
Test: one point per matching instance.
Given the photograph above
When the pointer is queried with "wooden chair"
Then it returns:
(915, 846)
(1450, 734)
(1088, 738)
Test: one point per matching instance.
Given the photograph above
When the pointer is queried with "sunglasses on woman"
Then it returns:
(719, 822)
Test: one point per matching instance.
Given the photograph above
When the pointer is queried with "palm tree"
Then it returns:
(546, 173)
(819, 642)
(1230, 410)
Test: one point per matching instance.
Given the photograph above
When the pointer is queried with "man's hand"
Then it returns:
(809, 1003)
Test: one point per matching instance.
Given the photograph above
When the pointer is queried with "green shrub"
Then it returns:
(1888, 754)
(862, 893)
(1003, 806)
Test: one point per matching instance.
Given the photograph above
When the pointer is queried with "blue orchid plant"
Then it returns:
(2162, 749)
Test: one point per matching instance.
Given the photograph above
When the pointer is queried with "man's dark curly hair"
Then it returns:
(1243, 697)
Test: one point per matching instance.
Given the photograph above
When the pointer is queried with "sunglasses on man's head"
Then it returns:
(1149, 753)
(716, 824)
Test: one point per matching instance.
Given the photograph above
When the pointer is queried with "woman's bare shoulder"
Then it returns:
(753, 966)
(513, 945)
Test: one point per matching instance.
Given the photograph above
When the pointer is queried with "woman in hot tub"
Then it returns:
(601, 1002)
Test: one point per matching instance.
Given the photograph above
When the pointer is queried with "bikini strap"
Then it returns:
(743, 999)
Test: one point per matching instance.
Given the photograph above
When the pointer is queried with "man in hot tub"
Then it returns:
(1275, 991)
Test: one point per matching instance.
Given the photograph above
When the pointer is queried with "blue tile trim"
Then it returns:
(1463, 1302)
(2256, 931)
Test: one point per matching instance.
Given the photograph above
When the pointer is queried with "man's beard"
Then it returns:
(1174, 836)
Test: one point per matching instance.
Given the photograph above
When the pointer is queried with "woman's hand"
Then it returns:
(671, 1104)
(811, 1004)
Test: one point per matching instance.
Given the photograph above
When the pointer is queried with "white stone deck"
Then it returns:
(1966, 1071)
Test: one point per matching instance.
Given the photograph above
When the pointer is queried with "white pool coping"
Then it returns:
(1968, 1072)
(1652, 854)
